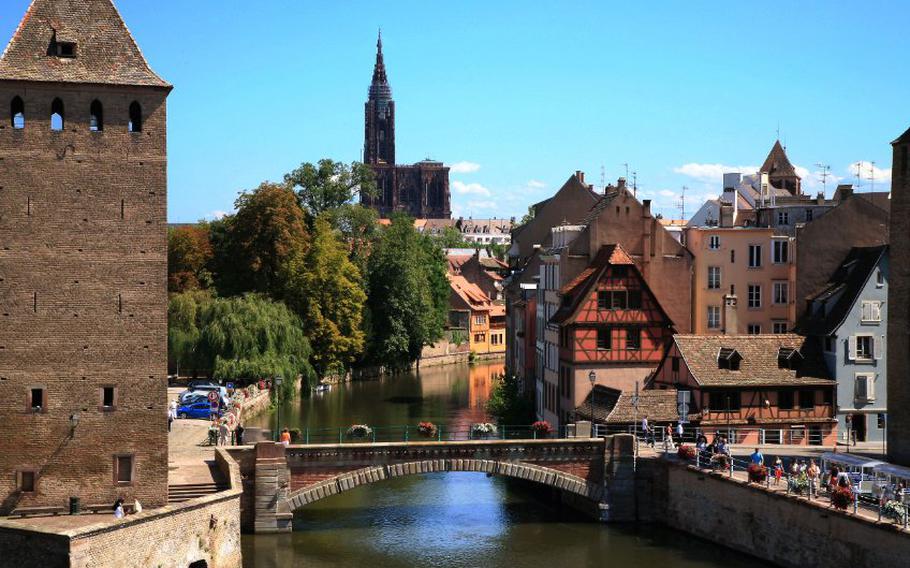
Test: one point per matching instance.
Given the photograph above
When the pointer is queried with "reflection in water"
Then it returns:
(451, 519)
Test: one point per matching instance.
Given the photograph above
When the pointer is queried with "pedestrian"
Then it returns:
(757, 457)
(118, 508)
(645, 429)
(285, 437)
(679, 431)
(170, 419)
(778, 470)
(812, 473)
(223, 433)
(239, 434)
(213, 433)
(137, 506)
(668, 438)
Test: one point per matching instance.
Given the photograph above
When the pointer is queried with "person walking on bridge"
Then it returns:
(812, 473)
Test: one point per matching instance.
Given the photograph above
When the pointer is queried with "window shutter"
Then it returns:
(866, 311)
(860, 388)
(877, 347)
(851, 348)
(870, 387)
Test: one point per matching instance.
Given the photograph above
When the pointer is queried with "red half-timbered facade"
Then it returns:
(754, 389)
(611, 324)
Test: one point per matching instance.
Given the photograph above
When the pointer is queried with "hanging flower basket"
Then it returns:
(483, 430)
(842, 497)
(685, 452)
(800, 484)
(720, 461)
(757, 473)
(359, 431)
(542, 428)
(894, 510)
(427, 429)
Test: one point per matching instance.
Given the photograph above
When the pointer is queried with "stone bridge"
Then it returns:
(593, 474)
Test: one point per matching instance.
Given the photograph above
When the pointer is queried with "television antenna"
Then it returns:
(682, 203)
(603, 176)
(859, 177)
(634, 184)
(825, 174)
(871, 177)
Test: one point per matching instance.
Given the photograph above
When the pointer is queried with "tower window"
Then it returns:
(27, 479)
(135, 124)
(37, 399)
(108, 398)
(123, 469)
(57, 115)
(96, 118)
(66, 49)
(17, 113)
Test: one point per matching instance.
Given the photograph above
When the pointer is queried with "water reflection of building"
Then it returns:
(480, 383)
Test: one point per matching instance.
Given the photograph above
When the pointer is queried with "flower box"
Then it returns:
(895, 511)
(685, 452)
(359, 431)
(483, 430)
(757, 473)
(542, 428)
(427, 429)
(842, 497)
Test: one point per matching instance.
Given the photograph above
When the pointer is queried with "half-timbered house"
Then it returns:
(754, 389)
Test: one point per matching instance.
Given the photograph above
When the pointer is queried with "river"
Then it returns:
(451, 519)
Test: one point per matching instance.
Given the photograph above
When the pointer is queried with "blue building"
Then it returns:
(849, 319)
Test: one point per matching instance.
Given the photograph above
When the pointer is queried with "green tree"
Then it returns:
(189, 253)
(507, 404)
(451, 237)
(407, 294)
(254, 246)
(325, 290)
(329, 184)
(358, 227)
(183, 333)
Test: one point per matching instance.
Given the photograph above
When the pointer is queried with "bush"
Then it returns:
(757, 473)
(359, 431)
(893, 510)
(542, 428)
(799, 484)
(842, 497)
(483, 429)
(427, 429)
(685, 452)
(720, 461)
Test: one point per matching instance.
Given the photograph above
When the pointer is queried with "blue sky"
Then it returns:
(518, 95)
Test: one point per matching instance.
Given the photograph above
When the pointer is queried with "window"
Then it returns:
(633, 339)
(863, 347)
(480, 337)
(619, 271)
(480, 319)
(879, 278)
(780, 251)
(27, 480)
(754, 256)
(17, 113)
(605, 338)
(783, 218)
(108, 398)
(864, 387)
(807, 399)
(754, 297)
(66, 49)
(732, 256)
(603, 300)
(713, 317)
(620, 300)
(57, 115)
(785, 399)
(674, 362)
(713, 278)
(779, 327)
(714, 242)
(781, 292)
(96, 117)
(37, 399)
(123, 469)
(872, 311)
(830, 343)
(809, 213)
(135, 124)
(495, 339)
(634, 299)
(722, 401)
(753, 329)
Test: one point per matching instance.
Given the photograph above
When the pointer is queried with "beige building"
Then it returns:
(744, 280)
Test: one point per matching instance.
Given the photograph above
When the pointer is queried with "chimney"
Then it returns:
(844, 191)
(730, 322)
(646, 208)
(580, 175)
(621, 184)
(726, 216)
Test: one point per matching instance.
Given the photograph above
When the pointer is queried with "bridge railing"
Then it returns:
(412, 433)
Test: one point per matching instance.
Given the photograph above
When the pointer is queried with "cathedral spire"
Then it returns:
(379, 75)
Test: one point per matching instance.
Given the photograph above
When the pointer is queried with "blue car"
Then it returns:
(196, 410)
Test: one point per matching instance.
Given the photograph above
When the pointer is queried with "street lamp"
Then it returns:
(278, 381)
(592, 378)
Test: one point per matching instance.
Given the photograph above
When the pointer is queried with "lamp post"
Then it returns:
(277, 382)
(592, 378)
(635, 401)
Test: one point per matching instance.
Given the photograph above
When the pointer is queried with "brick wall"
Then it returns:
(899, 307)
(82, 295)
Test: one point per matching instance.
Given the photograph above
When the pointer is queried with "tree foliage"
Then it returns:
(358, 227)
(329, 184)
(258, 242)
(408, 294)
(507, 404)
(324, 288)
(189, 253)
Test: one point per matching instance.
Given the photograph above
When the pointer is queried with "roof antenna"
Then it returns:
(603, 177)
(627, 169)
(871, 177)
(635, 184)
(826, 171)
(859, 182)
(682, 203)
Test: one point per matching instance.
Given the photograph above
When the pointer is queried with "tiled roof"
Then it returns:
(777, 163)
(485, 226)
(106, 52)
(905, 137)
(470, 293)
(614, 407)
(759, 365)
(455, 262)
(823, 316)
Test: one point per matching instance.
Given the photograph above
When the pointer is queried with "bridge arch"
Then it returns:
(543, 475)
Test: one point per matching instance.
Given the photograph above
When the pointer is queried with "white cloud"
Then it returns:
(470, 188)
(536, 184)
(866, 171)
(464, 168)
(217, 214)
(481, 204)
(712, 172)
(666, 193)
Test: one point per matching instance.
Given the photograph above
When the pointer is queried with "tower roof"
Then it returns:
(905, 137)
(380, 88)
(100, 48)
(777, 164)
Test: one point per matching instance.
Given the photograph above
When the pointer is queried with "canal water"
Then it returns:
(453, 519)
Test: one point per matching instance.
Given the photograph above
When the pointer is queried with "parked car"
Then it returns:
(196, 410)
(185, 395)
(202, 385)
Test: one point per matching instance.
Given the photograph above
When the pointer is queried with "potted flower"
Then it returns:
(483, 430)
(842, 497)
(427, 429)
(799, 484)
(685, 452)
(541, 428)
(894, 510)
(359, 431)
(720, 461)
(758, 473)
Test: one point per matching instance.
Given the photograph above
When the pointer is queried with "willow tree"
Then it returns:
(324, 288)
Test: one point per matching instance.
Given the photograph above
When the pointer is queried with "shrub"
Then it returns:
(757, 473)
(427, 429)
(483, 429)
(685, 452)
(359, 431)
(842, 497)
(893, 510)
(720, 461)
(799, 484)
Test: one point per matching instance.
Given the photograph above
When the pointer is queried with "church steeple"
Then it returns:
(379, 135)
(780, 170)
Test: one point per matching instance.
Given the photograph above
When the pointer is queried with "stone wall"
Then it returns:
(784, 530)
(899, 307)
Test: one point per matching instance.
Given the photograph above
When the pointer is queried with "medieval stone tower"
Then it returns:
(899, 306)
(83, 262)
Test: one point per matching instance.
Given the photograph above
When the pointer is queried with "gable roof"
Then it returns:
(470, 293)
(777, 164)
(612, 406)
(840, 293)
(106, 52)
(759, 365)
(905, 137)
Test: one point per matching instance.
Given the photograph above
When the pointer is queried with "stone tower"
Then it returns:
(899, 306)
(781, 172)
(379, 137)
(83, 262)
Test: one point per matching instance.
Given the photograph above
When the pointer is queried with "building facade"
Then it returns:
(83, 263)
(420, 190)
(899, 305)
(849, 320)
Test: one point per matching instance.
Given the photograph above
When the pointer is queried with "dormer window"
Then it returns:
(789, 358)
(66, 49)
(728, 358)
(63, 44)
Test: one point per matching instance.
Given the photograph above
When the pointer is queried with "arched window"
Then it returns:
(96, 117)
(17, 113)
(57, 115)
(135, 117)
